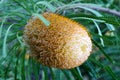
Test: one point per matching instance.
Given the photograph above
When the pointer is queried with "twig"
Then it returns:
(98, 8)
(104, 10)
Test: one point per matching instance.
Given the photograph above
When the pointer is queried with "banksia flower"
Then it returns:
(63, 44)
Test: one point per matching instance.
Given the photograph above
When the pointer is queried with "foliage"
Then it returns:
(104, 29)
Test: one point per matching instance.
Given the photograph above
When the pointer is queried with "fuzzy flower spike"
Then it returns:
(63, 44)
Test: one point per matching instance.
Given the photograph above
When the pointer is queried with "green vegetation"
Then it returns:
(104, 27)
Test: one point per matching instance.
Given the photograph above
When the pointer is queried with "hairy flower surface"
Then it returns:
(63, 44)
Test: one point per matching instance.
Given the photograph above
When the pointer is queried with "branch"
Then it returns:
(98, 8)
(116, 13)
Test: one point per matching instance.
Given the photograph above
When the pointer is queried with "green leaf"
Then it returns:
(45, 21)
(4, 52)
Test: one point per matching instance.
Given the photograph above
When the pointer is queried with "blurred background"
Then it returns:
(101, 18)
